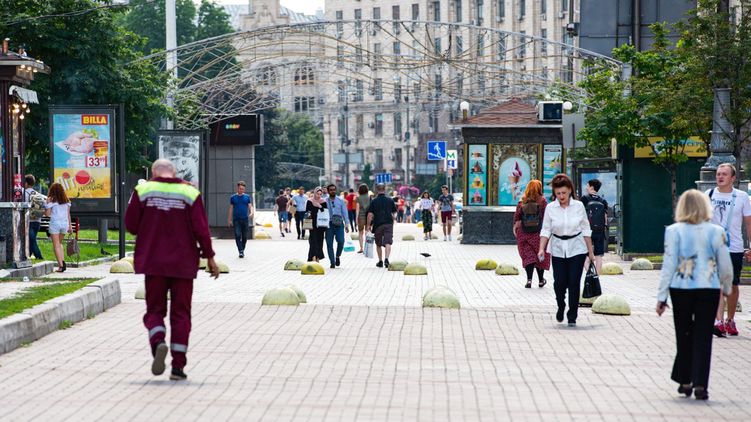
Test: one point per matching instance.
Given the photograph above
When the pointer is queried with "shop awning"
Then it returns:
(27, 95)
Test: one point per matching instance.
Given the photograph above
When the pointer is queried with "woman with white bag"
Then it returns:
(318, 233)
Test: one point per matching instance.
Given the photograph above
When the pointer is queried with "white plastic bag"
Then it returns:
(349, 246)
(369, 245)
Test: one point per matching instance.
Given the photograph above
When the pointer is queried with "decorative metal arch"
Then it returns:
(296, 171)
(436, 64)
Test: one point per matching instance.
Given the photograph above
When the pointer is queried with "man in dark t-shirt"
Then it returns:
(599, 237)
(381, 214)
(280, 208)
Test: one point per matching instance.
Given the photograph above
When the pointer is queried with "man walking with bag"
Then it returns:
(168, 217)
(381, 214)
(338, 225)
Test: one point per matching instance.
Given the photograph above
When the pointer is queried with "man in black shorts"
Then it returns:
(381, 213)
(597, 211)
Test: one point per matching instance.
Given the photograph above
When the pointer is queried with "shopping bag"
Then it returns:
(592, 286)
(349, 246)
(369, 245)
(322, 220)
(307, 223)
(71, 246)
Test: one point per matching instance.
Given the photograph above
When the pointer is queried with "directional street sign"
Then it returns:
(436, 150)
(383, 178)
(451, 159)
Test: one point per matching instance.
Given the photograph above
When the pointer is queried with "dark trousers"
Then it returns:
(241, 233)
(299, 216)
(34, 227)
(693, 314)
(315, 243)
(331, 233)
(567, 274)
(181, 295)
(352, 219)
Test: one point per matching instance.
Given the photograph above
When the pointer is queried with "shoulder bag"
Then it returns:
(307, 222)
(592, 286)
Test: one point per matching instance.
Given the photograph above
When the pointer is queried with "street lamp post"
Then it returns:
(407, 143)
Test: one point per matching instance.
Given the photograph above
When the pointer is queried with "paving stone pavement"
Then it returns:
(364, 349)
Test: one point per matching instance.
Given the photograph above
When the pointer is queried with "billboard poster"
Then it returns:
(551, 165)
(477, 177)
(83, 155)
(184, 150)
(514, 165)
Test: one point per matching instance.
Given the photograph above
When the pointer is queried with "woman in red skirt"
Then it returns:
(527, 224)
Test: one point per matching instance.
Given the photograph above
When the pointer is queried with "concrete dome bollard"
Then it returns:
(408, 237)
(507, 269)
(398, 265)
(439, 287)
(293, 265)
(611, 268)
(354, 236)
(587, 302)
(121, 267)
(486, 265)
(300, 294)
(440, 297)
(419, 224)
(312, 268)
(202, 263)
(415, 269)
(223, 268)
(131, 260)
(280, 296)
(268, 225)
(642, 264)
(141, 292)
(262, 236)
(611, 304)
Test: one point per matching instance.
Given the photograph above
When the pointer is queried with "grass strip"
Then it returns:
(35, 295)
(112, 235)
(88, 250)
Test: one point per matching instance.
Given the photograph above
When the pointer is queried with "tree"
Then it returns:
(89, 55)
(718, 42)
(147, 19)
(633, 110)
(367, 173)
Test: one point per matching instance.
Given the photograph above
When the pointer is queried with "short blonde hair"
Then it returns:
(693, 207)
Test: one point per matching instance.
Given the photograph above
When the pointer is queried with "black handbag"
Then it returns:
(592, 286)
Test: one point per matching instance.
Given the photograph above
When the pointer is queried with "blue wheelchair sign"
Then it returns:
(436, 150)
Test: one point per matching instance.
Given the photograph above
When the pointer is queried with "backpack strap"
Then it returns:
(711, 192)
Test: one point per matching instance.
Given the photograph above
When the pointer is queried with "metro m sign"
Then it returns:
(94, 119)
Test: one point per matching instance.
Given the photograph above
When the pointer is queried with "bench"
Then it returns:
(45, 226)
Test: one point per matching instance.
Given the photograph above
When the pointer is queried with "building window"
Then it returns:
(459, 84)
(358, 22)
(305, 103)
(415, 12)
(522, 8)
(341, 90)
(433, 120)
(396, 18)
(543, 7)
(304, 76)
(544, 44)
(481, 82)
(397, 92)
(379, 124)
(397, 158)
(376, 13)
(358, 56)
(378, 89)
(480, 11)
(397, 48)
(339, 55)
(359, 90)
(501, 48)
(438, 84)
(438, 50)
(480, 44)
(501, 8)
(416, 91)
(266, 76)
(376, 55)
(339, 23)
(379, 159)
(564, 6)
(523, 44)
(397, 124)
(436, 11)
(457, 10)
(359, 126)
(459, 45)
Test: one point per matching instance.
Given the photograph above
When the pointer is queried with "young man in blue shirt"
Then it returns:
(240, 211)
(338, 224)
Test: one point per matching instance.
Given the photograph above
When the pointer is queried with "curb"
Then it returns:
(35, 323)
(36, 270)
(95, 261)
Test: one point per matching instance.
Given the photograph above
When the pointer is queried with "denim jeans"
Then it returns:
(330, 233)
(34, 227)
(241, 232)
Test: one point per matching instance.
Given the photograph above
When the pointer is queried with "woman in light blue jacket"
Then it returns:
(696, 269)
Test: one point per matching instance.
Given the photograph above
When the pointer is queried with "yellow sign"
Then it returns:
(694, 147)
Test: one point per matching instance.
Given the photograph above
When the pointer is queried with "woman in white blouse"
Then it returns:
(566, 221)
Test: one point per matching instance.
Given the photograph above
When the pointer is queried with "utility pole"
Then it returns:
(407, 137)
(171, 44)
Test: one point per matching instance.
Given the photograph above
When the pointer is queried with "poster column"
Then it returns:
(477, 175)
(551, 165)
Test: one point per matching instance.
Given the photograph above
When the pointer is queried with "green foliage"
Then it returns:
(87, 54)
(89, 250)
(35, 295)
(630, 111)
(717, 49)
(146, 18)
(367, 172)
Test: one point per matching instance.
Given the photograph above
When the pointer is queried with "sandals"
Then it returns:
(543, 282)
(528, 285)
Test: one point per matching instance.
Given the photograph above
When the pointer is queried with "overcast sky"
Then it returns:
(302, 6)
